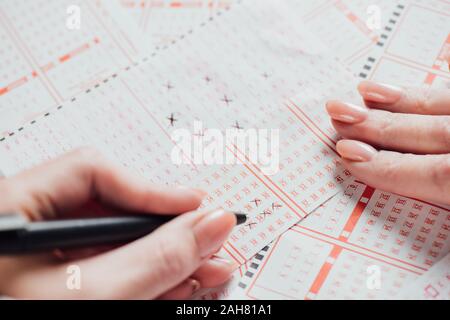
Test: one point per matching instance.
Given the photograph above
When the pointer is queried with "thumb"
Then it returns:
(155, 264)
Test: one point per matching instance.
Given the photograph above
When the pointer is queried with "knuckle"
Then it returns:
(88, 157)
(386, 130)
(174, 257)
(420, 98)
(388, 166)
(8, 191)
(442, 131)
(440, 174)
(87, 153)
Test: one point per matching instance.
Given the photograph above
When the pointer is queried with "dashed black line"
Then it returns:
(253, 267)
(384, 37)
(115, 75)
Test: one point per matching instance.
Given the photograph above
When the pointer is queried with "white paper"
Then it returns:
(238, 68)
(364, 244)
(54, 51)
(433, 285)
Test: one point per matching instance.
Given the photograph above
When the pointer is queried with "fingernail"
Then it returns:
(197, 192)
(201, 192)
(195, 284)
(212, 230)
(224, 262)
(355, 150)
(379, 92)
(346, 112)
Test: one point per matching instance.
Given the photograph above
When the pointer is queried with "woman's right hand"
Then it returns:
(170, 263)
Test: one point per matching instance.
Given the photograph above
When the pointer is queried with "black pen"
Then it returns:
(19, 236)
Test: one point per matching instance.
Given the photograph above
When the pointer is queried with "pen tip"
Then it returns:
(240, 218)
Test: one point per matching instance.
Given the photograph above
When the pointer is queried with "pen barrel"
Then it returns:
(66, 234)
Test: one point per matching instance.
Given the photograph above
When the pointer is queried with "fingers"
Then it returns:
(392, 131)
(405, 100)
(144, 269)
(418, 123)
(183, 291)
(161, 261)
(425, 177)
(212, 273)
(346, 112)
(75, 178)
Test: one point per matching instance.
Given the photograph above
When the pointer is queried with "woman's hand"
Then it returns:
(172, 262)
(399, 142)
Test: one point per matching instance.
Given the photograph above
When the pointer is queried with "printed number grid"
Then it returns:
(334, 248)
(43, 62)
(412, 53)
(128, 117)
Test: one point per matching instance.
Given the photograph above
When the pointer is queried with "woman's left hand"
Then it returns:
(399, 141)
